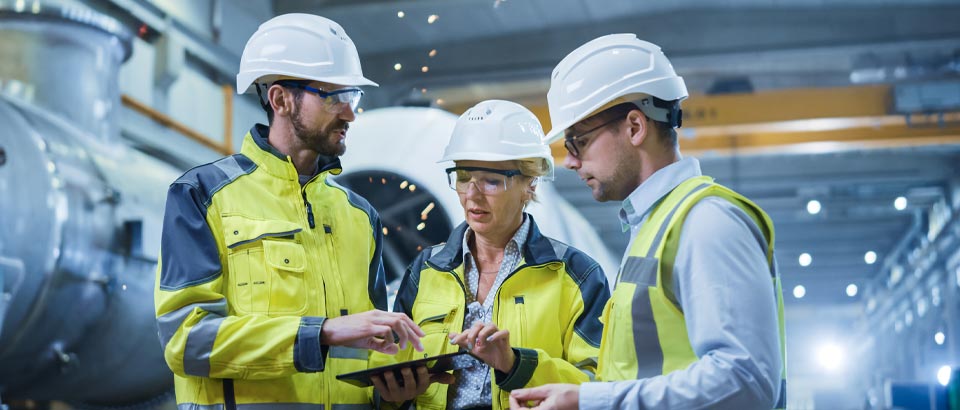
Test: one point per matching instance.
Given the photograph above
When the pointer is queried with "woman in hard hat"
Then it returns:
(525, 304)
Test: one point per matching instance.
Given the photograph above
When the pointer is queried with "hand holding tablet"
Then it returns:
(434, 365)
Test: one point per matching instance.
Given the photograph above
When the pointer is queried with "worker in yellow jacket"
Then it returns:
(526, 305)
(270, 281)
(696, 316)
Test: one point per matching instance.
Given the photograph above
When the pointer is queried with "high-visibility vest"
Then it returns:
(645, 332)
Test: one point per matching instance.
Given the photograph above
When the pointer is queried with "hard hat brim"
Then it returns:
(347, 81)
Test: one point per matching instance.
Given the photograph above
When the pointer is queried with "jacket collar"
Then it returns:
(258, 149)
(537, 249)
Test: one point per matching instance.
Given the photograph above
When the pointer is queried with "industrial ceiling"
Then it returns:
(480, 49)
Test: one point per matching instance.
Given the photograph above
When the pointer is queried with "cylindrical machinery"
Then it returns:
(80, 217)
(81, 211)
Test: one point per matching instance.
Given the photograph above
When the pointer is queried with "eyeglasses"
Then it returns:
(489, 181)
(576, 143)
(333, 101)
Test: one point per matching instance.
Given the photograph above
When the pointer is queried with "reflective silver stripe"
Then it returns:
(196, 354)
(230, 166)
(351, 407)
(666, 222)
(642, 271)
(170, 322)
(343, 352)
(559, 248)
(192, 406)
(646, 344)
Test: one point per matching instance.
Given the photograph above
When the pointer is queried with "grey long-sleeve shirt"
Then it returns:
(721, 281)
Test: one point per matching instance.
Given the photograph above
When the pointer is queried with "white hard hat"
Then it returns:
(497, 130)
(302, 46)
(604, 70)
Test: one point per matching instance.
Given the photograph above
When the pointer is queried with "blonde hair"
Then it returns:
(533, 168)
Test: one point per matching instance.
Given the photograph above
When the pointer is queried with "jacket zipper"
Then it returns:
(309, 207)
(310, 237)
(334, 261)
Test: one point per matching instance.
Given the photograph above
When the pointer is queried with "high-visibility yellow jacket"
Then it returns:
(645, 333)
(551, 304)
(252, 264)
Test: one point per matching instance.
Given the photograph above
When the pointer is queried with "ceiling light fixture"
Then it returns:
(900, 203)
(805, 259)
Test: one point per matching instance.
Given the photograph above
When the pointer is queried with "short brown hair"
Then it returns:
(666, 133)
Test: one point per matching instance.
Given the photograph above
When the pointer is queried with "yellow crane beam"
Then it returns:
(798, 120)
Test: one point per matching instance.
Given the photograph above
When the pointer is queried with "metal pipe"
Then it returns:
(177, 126)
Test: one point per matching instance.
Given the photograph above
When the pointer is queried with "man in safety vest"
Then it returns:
(696, 317)
(271, 280)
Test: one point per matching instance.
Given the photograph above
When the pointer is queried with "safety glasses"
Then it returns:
(488, 181)
(333, 101)
(577, 143)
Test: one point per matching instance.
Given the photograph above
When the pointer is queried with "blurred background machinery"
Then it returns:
(81, 214)
(82, 211)
(840, 118)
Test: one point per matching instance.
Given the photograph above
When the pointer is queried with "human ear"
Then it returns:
(638, 127)
(280, 100)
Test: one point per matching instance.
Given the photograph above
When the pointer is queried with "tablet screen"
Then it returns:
(435, 364)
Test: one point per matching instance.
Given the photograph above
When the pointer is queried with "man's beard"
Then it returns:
(324, 141)
(618, 186)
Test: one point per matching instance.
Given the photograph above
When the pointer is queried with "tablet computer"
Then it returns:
(434, 364)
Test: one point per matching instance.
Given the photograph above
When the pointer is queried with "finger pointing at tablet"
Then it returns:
(384, 332)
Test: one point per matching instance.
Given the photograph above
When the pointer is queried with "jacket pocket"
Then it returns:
(436, 320)
(265, 266)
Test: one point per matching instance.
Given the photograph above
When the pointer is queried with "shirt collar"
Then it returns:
(518, 238)
(641, 201)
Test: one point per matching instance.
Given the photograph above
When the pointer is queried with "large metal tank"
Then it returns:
(81, 211)
(80, 216)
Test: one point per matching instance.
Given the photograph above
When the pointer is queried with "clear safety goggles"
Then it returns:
(333, 101)
(577, 143)
(488, 181)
